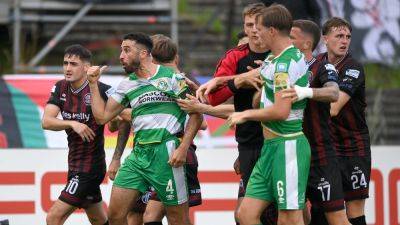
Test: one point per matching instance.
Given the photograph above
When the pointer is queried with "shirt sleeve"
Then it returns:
(327, 73)
(119, 95)
(55, 95)
(352, 77)
(106, 91)
(226, 67)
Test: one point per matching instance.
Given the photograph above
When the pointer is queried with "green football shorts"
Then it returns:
(280, 174)
(147, 165)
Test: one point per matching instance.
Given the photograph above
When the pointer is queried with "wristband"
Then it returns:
(303, 92)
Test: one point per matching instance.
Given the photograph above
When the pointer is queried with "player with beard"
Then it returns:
(86, 158)
(164, 52)
(158, 155)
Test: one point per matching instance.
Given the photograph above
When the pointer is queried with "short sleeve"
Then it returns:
(327, 73)
(106, 91)
(119, 94)
(55, 95)
(352, 77)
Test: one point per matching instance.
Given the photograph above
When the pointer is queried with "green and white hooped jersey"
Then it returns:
(155, 114)
(280, 72)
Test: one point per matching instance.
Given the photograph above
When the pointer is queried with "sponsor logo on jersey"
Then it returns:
(281, 81)
(352, 73)
(330, 67)
(154, 96)
(76, 116)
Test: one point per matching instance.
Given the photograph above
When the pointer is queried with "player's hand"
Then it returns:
(191, 104)
(250, 79)
(236, 118)
(257, 62)
(178, 157)
(94, 72)
(236, 166)
(84, 131)
(113, 168)
(209, 87)
(290, 93)
(192, 85)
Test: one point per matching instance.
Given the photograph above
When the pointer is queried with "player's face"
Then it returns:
(298, 38)
(264, 34)
(129, 56)
(74, 68)
(250, 28)
(338, 40)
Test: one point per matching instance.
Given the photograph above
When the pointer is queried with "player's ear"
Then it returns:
(308, 44)
(325, 38)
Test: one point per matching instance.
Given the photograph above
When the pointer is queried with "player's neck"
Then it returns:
(308, 55)
(147, 69)
(280, 44)
(257, 48)
(77, 84)
(335, 59)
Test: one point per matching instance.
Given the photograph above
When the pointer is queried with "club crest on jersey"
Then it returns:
(162, 85)
(352, 73)
(63, 97)
(281, 67)
(87, 98)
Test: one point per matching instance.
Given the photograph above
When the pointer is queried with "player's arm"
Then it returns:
(178, 157)
(124, 129)
(102, 112)
(349, 83)
(278, 111)
(327, 76)
(192, 105)
(226, 67)
(51, 122)
(338, 105)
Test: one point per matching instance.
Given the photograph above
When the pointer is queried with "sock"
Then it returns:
(106, 223)
(154, 223)
(358, 220)
(318, 217)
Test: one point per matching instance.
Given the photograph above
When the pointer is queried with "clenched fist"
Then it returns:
(94, 72)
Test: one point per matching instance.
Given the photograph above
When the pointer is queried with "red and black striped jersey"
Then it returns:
(75, 105)
(349, 127)
(317, 117)
(235, 62)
